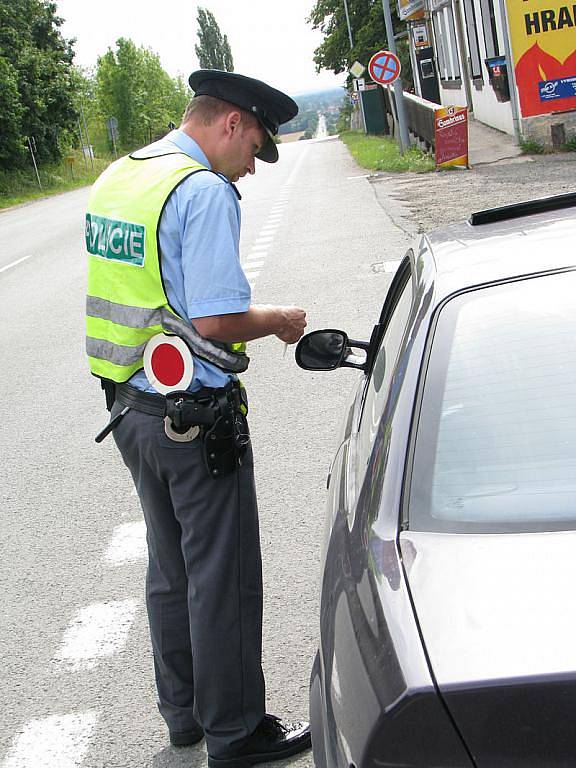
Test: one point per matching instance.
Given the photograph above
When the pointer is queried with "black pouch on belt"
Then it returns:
(219, 446)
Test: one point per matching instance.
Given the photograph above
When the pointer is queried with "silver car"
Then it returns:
(448, 608)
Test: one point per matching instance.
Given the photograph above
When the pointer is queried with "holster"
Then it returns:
(221, 416)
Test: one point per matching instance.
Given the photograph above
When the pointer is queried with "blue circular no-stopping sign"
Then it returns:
(384, 67)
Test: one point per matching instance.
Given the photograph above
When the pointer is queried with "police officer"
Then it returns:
(162, 232)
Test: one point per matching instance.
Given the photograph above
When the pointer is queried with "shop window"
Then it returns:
(472, 36)
(489, 27)
(442, 70)
(447, 49)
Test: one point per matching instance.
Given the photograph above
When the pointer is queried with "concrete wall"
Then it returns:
(540, 128)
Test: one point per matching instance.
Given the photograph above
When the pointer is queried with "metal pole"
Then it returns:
(352, 46)
(34, 161)
(511, 74)
(397, 85)
(87, 136)
(82, 144)
(459, 24)
(348, 23)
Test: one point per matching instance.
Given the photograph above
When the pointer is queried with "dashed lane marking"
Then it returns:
(15, 263)
(98, 631)
(128, 544)
(254, 262)
(60, 741)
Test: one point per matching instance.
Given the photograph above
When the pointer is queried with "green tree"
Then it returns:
(213, 48)
(11, 143)
(38, 60)
(132, 86)
(368, 34)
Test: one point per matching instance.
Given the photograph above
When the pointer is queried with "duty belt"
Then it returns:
(216, 415)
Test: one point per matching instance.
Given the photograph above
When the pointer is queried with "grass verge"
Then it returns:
(22, 185)
(380, 153)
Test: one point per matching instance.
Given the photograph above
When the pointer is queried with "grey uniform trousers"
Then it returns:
(203, 585)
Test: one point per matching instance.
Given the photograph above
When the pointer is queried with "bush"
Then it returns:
(532, 147)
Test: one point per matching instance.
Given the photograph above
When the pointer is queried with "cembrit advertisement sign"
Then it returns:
(543, 35)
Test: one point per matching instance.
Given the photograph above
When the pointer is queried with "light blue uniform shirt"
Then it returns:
(199, 236)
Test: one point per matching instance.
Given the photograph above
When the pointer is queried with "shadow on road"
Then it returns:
(191, 757)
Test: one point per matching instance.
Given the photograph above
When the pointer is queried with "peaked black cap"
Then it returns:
(270, 106)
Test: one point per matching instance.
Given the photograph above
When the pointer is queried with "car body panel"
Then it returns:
(370, 649)
(467, 255)
(497, 617)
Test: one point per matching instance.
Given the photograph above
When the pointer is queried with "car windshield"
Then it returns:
(496, 440)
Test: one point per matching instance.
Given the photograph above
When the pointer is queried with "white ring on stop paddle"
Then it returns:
(155, 378)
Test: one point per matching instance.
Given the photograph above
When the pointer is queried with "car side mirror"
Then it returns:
(329, 349)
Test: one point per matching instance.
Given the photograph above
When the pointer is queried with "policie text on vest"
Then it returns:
(115, 240)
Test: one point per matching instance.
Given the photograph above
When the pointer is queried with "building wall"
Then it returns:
(484, 24)
(486, 107)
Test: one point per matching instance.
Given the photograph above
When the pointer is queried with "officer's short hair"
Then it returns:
(207, 109)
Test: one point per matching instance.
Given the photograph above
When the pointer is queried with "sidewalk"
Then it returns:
(487, 145)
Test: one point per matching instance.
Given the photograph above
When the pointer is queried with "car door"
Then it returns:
(383, 357)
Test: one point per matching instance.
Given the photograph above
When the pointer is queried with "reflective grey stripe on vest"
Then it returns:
(138, 317)
(209, 350)
(114, 353)
(122, 314)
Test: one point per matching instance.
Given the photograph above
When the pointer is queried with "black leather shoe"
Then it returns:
(186, 738)
(273, 739)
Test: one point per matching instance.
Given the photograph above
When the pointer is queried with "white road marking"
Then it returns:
(255, 261)
(128, 544)
(264, 240)
(60, 741)
(269, 229)
(97, 631)
(257, 248)
(296, 168)
(15, 263)
(252, 274)
(364, 176)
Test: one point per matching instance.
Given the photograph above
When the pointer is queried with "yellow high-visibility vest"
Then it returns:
(126, 303)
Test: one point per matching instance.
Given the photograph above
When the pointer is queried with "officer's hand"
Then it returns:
(292, 324)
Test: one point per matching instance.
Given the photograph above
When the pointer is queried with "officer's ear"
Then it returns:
(233, 121)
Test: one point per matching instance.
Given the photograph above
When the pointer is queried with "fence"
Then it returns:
(419, 115)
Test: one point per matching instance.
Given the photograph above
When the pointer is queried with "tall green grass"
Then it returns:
(22, 185)
(380, 153)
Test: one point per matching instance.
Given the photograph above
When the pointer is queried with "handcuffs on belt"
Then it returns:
(218, 418)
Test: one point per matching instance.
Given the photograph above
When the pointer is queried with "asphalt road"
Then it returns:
(76, 675)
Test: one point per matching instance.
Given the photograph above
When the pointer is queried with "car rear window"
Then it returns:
(495, 447)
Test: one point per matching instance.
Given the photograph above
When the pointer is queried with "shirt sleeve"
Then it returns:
(209, 216)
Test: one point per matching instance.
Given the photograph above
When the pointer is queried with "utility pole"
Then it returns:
(348, 23)
(32, 147)
(397, 85)
(352, 46)
(87, 137)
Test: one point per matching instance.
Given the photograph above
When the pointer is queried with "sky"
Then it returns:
(273, 46)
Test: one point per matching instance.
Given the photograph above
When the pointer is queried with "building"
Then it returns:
(512, 62)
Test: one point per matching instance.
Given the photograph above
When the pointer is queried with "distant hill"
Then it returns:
(328, 102)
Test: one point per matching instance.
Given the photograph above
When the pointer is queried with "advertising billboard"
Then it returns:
(410, 10)
(543, 37)
(451, 137)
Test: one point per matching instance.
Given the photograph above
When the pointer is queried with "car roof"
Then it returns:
(467, 255)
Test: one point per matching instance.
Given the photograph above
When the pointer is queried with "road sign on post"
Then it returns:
(384, 67)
